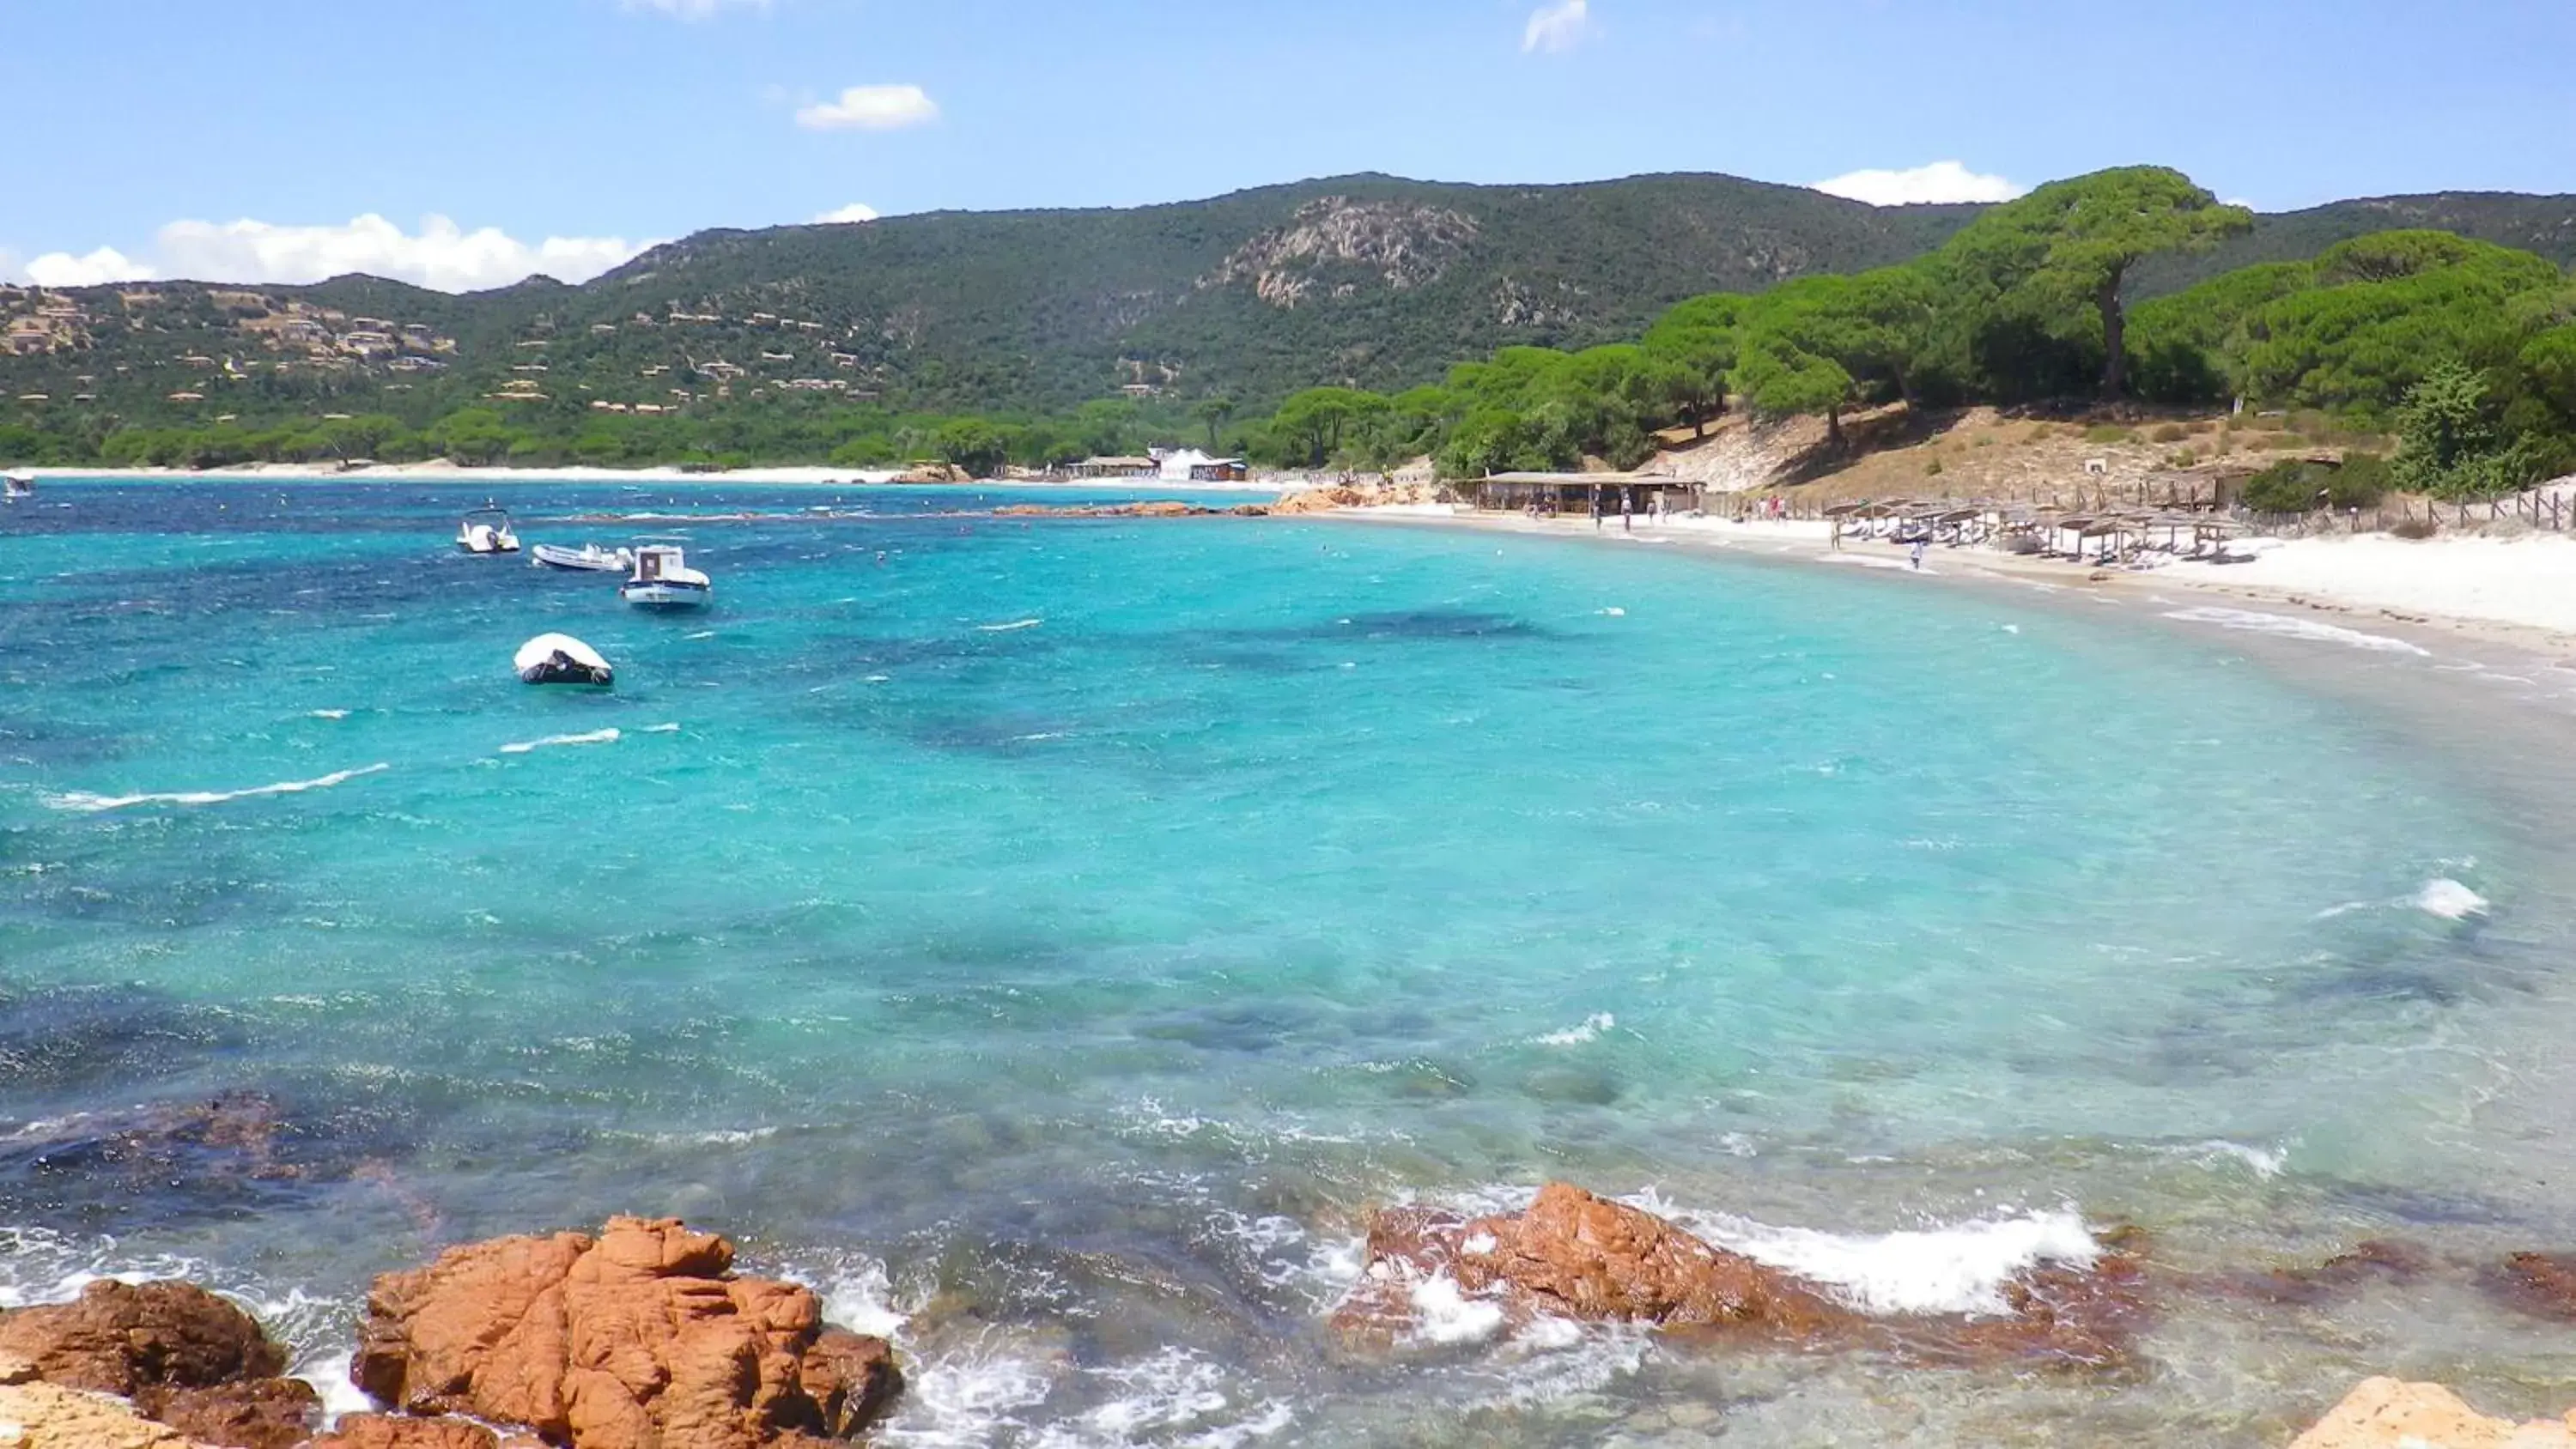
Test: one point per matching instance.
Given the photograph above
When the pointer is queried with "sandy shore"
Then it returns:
(2519, 591)
(440, 470)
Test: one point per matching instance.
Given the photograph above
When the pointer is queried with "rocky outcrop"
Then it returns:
(2387, 1414)
(1333, 240)
(1574, 1255)
(125, 1338)
(1160, 508)
(49, 1416)
(1328, 497)
(636, 1338)
(273, 1413)
(1578, 1256)
(396, 1431)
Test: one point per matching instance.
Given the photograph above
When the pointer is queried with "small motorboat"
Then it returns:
(20, 484)
(562, 659)
(663, 580)
(590, 558)
(487, 530)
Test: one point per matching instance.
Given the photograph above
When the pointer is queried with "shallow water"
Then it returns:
(1056, 934)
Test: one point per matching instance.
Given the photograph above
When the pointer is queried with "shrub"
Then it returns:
(1932, 469)
(2416, 528)
(2170, 433)
(2298, 486)
(2109, 434)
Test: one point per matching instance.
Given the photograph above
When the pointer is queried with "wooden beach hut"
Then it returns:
(1573, 493)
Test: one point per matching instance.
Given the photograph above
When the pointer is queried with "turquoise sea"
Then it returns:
(1051, 936)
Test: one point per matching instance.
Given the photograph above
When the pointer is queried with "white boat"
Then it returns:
(664, 580)
(487, 530)
(21, 484)
(590, 558)
(562, 659)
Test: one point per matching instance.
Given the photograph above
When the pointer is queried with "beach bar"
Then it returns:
(1572, 493)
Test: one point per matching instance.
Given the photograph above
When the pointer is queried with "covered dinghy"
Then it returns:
(562, 659)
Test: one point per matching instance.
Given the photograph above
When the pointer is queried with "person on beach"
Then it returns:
(1596, 508)
(1918, 553)
(1838, 535)
(1627, 512)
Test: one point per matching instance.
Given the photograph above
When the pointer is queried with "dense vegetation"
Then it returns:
(1008, 338)
(2464, 348)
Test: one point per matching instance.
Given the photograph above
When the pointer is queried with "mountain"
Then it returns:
(1368, 280)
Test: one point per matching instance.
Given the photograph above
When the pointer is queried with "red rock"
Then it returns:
(118, 1338)
(638, 1338)
(1575, 1255)
(252, 1414)
(396, 1431)
(2543, 1284)
(2375, 1258)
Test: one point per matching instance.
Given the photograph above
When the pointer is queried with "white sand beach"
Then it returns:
(2523, 589)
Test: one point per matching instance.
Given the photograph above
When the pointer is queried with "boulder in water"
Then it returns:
(127, 1338)
(639, 1336)
(562, 659)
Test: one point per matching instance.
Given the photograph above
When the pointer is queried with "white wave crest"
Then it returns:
(1590, 1030)
(1445, 1313)
(2287, 627)
(2450, 900)
(660, 729)
(1960, 1269)
(1015, 624)
(82, 800)
(329, 714)
(595, 737)
(968, 1398)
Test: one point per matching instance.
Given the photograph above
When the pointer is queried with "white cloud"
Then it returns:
(443, 255)
(1940, 181)
(107, 264)
(875, 108)
(1559, 26)
(855, 211)
(693, 9)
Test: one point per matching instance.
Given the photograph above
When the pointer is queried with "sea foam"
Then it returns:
(2287, 627)
(1960, 1269)
(82, 800)
(2449, 900)
(595, 737)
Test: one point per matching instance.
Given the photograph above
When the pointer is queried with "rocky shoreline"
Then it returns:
(642, 1336)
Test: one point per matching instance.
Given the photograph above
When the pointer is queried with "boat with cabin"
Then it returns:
(663, 580)
(487, 530)
(590, 558)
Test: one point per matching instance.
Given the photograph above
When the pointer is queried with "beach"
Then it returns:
(2519, 590)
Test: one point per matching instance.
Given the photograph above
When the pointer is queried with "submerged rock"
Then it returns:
(1574, 1255)
(126, 1338)
(2543, 1284)
(2386, 1414)
(638, 1337)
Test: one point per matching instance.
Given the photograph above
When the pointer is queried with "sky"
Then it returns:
(463, 144)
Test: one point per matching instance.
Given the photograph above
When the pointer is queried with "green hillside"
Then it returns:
(798, 340)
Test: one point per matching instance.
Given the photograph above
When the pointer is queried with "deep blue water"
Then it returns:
(1063, 930)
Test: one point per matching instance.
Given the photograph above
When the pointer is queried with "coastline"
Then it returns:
(789, 476)
(2519, 593)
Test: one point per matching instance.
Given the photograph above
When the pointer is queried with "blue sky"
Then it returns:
(605, 124)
